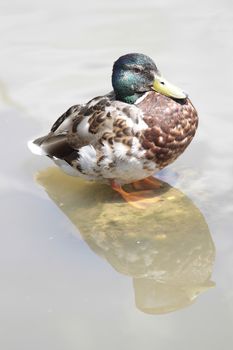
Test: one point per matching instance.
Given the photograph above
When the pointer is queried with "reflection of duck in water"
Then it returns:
(167, 248)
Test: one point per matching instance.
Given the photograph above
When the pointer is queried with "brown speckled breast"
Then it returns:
(172, 126)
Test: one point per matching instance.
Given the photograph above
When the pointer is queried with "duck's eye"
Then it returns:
(137, 70)
(162, 83)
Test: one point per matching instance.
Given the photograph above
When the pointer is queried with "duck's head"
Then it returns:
(134, 74)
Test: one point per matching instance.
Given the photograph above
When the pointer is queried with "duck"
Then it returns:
(126, 136)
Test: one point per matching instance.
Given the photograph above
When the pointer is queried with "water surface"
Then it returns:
(79, 269)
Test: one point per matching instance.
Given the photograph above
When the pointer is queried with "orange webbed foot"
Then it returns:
(140, 199)
(147, 183)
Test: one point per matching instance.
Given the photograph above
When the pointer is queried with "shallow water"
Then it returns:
(79, 269)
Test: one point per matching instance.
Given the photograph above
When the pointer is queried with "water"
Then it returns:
(79, 269)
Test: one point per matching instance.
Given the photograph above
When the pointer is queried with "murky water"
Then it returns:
(79, 268)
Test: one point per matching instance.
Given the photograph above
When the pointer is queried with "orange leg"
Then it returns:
(148, 183)
(139, 200)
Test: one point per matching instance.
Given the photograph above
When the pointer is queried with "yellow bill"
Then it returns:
(163, 86)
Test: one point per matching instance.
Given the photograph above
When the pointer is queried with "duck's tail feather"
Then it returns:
(51, 145)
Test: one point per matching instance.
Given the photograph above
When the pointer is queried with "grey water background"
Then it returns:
(55, 293)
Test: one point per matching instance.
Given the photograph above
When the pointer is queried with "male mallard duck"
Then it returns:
(127, 135)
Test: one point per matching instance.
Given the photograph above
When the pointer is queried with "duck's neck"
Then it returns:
(128, 99)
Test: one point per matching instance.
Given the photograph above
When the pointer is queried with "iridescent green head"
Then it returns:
(134, 74)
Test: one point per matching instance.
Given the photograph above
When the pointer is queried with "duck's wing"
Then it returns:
(103, 119)
(105, 115)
